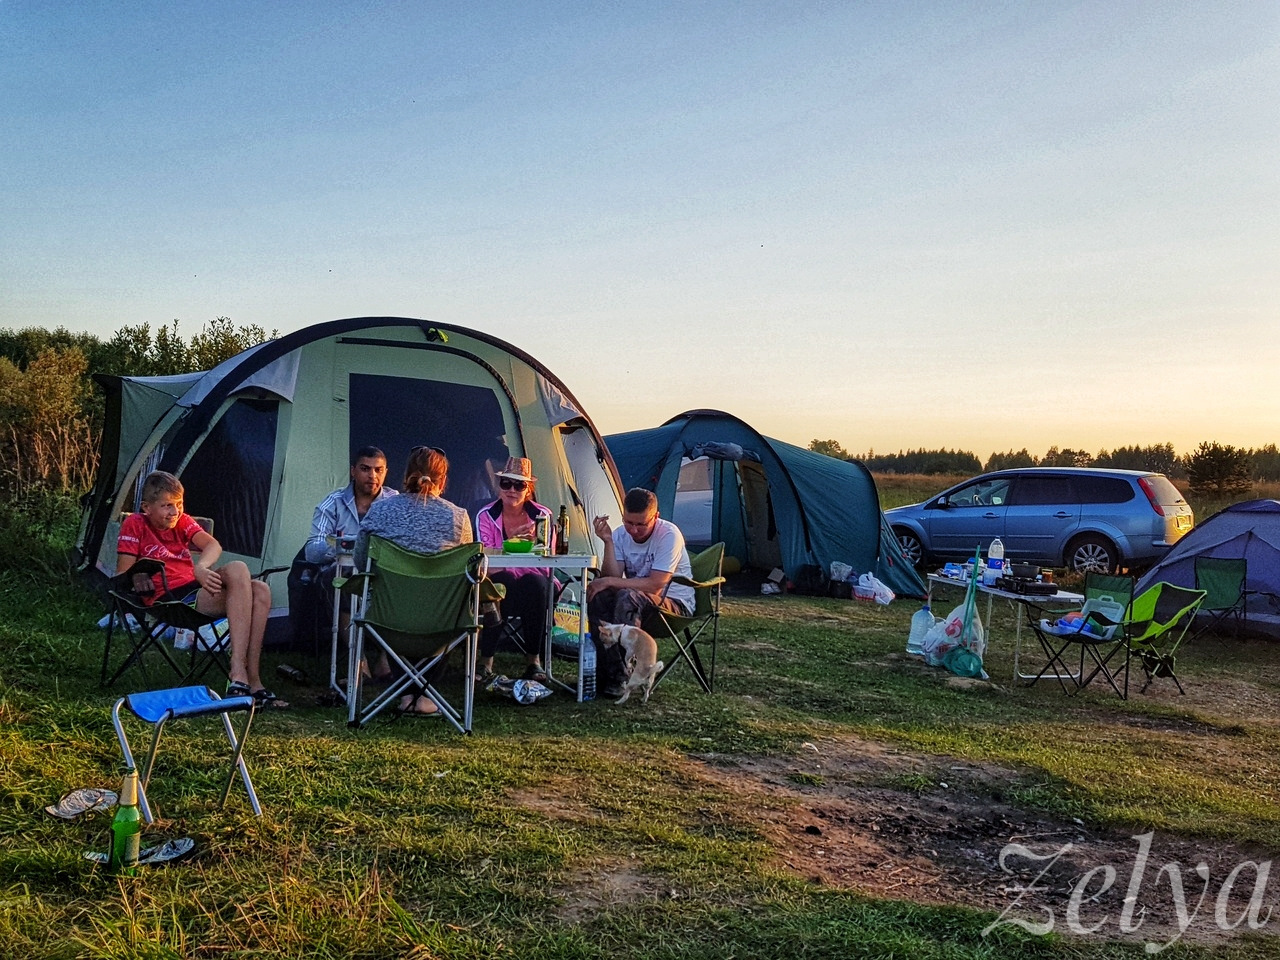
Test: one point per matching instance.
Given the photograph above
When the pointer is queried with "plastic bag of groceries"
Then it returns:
(949, 633)
(879, 591)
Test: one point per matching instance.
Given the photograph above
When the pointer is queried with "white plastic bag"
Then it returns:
(949, 633)
(840, 571)
(883, 595)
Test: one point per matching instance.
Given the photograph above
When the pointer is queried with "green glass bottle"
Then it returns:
(126, 829)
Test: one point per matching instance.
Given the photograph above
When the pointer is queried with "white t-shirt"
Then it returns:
(663, 551)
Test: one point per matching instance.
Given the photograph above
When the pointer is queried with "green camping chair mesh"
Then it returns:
(702, 627)
(1223, 582)
(1095, 641)
(418, 609)
(1159, 619)
(144, 628)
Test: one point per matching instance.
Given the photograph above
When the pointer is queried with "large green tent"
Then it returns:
(772, 503)
(262, 438)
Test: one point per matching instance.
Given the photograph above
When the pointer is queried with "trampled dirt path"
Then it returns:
(947, 832)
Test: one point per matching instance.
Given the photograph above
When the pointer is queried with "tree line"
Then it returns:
(51, 411)
(1211, 468)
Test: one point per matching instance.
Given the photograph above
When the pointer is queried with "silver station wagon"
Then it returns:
(1076, 517)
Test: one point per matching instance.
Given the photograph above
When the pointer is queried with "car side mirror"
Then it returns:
(942, 503)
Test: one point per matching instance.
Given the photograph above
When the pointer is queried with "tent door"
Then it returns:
(764, 551)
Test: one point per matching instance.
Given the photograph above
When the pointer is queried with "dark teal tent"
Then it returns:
(773, 504)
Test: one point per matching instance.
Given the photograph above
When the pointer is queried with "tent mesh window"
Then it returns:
(465, 421)
(229, 476)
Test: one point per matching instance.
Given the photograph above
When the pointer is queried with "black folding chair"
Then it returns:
(145, 627)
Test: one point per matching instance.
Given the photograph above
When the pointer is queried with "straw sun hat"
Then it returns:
(518, 468)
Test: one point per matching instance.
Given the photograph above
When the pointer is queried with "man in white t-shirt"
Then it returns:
(640, 558)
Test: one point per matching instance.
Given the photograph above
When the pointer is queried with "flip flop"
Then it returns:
(167, 852)
(81, 801)
(268, 700)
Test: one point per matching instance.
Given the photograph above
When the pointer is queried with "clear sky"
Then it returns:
(972, 225)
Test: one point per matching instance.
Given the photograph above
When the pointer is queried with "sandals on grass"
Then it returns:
(82, 801)
(264, 699)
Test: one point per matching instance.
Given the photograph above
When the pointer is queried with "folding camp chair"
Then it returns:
(1159, 619)
(146, 627)
(1223, 582)
(158, 707)
(1095, 637)
(419, 609)
(706, 581)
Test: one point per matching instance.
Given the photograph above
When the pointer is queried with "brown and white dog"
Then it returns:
(640, 653)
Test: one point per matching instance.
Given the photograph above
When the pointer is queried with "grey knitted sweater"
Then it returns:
(423, 525)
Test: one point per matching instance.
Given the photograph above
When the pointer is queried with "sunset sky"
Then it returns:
(972, 225)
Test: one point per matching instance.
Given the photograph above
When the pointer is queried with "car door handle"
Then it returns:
(1061, 515)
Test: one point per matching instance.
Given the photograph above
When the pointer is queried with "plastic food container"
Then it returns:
(517, 546)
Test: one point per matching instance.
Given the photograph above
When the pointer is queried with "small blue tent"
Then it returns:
(773, 504)
(1248, 531)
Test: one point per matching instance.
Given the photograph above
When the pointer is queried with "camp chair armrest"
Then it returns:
(353, 583)
(697, 584)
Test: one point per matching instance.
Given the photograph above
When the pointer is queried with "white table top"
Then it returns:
(1062, 596)
(567, 561)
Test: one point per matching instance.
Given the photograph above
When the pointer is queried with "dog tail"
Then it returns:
(657, 668)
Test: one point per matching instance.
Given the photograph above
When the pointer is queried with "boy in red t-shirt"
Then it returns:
(161, 531)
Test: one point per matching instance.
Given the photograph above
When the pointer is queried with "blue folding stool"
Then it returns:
(158, 707)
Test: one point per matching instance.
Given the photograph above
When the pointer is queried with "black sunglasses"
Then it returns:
(508, 484)
(423, 447)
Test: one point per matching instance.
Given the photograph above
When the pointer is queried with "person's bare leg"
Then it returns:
(236, 604)
(260, 606)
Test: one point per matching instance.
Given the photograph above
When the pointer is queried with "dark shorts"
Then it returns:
(184, 594)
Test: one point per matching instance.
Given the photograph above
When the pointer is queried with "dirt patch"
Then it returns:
(871, 818)
(865, 817)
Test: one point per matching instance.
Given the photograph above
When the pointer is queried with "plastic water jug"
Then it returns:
(921, 623)
(995, 561)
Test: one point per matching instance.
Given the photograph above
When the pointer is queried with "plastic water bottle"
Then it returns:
(183, 638)
(921, 624)
(995, 561)
(588, 668)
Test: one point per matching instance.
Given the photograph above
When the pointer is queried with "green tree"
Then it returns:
(221, 339)
(1216, 468)
(47, 439)
(1007, 461)
(829, 448)
(1066, 458)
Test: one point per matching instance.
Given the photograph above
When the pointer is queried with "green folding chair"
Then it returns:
(1223, 581)
(689, 632)
(1158, 621)
(1094, 639)
(418, 608)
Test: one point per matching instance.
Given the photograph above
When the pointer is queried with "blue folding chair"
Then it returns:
(158, 707)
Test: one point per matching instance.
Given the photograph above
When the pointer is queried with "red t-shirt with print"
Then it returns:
(140, 539)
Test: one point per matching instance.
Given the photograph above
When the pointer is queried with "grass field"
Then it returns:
(832, 799)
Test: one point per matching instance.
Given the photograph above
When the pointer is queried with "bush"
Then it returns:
(1216, 468)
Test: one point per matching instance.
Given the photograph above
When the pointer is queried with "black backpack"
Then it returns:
(310, 605)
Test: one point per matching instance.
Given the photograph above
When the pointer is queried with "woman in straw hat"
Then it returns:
(513, 516)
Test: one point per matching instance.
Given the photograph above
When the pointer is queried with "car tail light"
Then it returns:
(1151, 496)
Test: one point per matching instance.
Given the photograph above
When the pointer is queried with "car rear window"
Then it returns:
(1163, 489)
(1103, 490)
(1038, 490)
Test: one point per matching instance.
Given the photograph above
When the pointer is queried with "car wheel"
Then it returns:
(1092, 554)
(911, 546)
